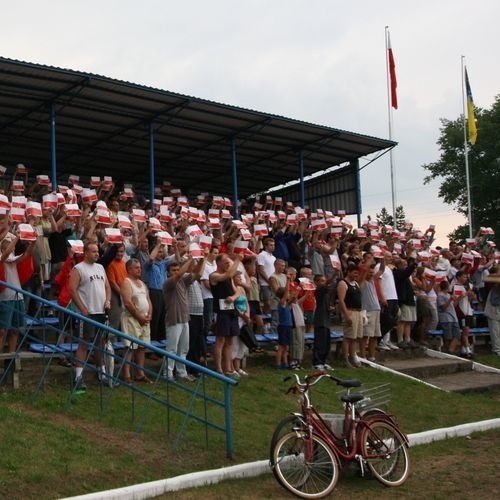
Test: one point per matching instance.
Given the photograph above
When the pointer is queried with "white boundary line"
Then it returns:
(195, 479)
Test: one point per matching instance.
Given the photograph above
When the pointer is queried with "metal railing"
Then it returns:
(52, 339)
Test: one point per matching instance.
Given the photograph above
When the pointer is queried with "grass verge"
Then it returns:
(50, 454)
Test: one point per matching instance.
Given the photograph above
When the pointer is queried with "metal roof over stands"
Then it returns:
(103, 128)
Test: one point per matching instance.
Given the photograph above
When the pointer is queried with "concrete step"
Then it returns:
(465, 382)
(450, 374)
(426, 367)
(410, 353)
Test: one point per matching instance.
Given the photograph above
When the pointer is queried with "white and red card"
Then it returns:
(194, 231)
(260, 230)
(195, 252)
(18, 214)
(17, 201)
(155, 224)
(124, 222)
(138, 215)
(49, 201)
(73, 210)
(307, 284)
(88, 195)
(164, 237)
(26, 232)
(205, 242)
(77, 246)
(114, 234)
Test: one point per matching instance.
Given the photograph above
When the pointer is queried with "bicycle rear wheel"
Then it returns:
(307, 467)
(386, 453)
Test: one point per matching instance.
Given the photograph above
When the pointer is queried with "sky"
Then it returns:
(320, 61)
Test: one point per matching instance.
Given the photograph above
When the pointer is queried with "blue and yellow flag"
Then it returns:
(471, 119)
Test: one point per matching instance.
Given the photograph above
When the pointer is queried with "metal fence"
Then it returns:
(50, 337)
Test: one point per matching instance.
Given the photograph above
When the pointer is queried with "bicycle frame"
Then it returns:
(346, 446)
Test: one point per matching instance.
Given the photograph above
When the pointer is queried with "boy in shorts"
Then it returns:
(448, 317)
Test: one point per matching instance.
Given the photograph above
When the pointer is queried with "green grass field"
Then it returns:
(50, 454)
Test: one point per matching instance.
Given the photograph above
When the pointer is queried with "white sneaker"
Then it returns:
(243, 373)
(319, 367)
(392, 346)
(326, 366)
(382, 346)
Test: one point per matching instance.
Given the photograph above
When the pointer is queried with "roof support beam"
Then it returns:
(235, 178)
(355, 164)
(301, 177)
(151, 167)
(53, 151)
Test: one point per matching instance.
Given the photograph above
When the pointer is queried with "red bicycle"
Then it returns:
(306, 458)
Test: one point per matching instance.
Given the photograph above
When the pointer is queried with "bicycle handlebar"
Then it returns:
(315, 377)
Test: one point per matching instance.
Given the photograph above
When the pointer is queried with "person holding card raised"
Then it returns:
(11, 303)
(221, 282)
(175, 294)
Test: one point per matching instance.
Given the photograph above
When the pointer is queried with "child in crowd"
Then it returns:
(309, 302)
(285, 324)
(448, 317)
(240, 350)
(296, 353)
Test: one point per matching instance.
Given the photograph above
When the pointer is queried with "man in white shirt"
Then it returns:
(91, 293)
(388, 304)
(265, 268)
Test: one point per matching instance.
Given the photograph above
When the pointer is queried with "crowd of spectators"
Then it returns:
(296, 266)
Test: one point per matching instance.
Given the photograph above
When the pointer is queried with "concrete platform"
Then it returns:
(450, 373)
(425, 367)
(465, 382)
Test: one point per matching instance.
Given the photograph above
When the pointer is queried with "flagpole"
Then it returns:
(389, 113)
(466, 150)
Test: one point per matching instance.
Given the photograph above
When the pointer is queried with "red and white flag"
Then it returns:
(392, 73)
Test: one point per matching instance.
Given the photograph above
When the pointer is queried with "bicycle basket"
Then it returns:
(375, 396)
(335, 422)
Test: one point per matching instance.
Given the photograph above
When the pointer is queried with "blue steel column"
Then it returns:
(359, 209)
(301, 175)
(151, 168)
(235, 179)
(53, 159)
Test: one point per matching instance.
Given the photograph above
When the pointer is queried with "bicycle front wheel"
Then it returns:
(305, 466)
(286, 425)
(386, 453)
